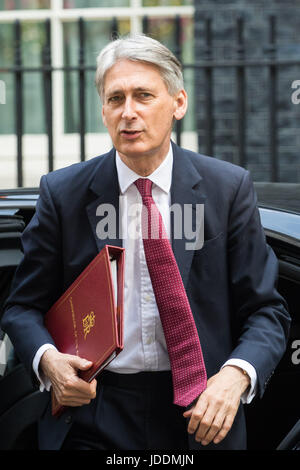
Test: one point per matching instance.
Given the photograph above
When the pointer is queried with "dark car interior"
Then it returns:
(279, 409)
(272, 422)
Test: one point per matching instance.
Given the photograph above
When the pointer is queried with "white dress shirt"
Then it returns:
(144, 341)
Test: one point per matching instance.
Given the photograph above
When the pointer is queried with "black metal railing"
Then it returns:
(241, 63)
(204, 61)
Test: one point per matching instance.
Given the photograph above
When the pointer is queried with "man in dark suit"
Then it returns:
(241, 320)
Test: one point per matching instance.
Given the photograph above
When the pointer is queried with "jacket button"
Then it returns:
(68, 419)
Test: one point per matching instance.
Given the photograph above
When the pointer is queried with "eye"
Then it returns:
(145, 95)
(114, 99)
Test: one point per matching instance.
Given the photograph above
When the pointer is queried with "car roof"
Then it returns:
(277, 223)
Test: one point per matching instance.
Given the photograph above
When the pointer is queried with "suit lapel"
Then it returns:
(103, 211)
(186, 193)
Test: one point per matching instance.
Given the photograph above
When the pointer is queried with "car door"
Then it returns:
(268, 420)
(20, 400)
(272, 417)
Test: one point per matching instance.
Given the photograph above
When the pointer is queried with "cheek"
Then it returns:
(104, 120)
(109, 122)
(163, 118)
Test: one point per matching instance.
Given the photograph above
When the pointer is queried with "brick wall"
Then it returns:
(256, 35)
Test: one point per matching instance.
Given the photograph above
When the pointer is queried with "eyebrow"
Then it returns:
(120, 91)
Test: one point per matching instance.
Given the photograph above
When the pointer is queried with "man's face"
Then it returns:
(138, 111)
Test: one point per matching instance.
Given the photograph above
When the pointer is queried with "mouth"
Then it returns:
(130, 134)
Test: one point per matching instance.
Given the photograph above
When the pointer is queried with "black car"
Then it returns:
(272, 422)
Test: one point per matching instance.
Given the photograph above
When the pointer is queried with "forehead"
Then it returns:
(128, 74)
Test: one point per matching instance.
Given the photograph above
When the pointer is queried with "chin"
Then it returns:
(133, 151)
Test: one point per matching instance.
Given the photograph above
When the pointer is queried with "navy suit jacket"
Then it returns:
(230, 281)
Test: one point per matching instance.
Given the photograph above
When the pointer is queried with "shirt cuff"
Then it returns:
(248, 395)
(45, 383)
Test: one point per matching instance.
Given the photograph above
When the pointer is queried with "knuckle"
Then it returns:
(197, 415)
(215, 427)
(64, 397)
(231, 410)
(226, 427)
(62, 400)
(208, 396)
(221, 436)
(205, 423)
(223, 432)
(63, 393)
(59, 399)
(192, 427)
(218, 402)
(69, 383)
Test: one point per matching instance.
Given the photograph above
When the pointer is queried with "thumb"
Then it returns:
(80, 363)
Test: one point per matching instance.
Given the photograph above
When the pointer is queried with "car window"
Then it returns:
(284, 196)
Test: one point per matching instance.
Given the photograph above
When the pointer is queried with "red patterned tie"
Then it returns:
(184, 349)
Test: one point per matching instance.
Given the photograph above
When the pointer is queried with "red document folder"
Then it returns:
(87, 320)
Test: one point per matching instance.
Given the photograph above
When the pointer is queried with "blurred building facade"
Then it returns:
(230, 116)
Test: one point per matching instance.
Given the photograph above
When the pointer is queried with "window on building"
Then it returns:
(24, 4)
(98, 16)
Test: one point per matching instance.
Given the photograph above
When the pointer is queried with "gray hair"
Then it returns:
(140, 48)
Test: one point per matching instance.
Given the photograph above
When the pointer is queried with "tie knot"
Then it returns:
(144, 186)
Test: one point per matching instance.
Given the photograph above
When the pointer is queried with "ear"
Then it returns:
(180, 104)
(103, 115)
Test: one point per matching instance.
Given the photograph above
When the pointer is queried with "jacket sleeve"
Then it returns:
(37, 284)
(261, 317)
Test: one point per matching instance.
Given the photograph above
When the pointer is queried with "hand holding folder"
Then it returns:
(87, 320)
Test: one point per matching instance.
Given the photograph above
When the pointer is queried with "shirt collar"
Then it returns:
(161, 177)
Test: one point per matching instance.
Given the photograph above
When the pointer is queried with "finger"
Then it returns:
(89, 389)
(197, 415)
(71, 397)
(188, 413)
(213, 430)
(80, 388)
(93, 385)
(80, 363)
(74, 388)
(224, 429)
(205, 423)
(74, 402)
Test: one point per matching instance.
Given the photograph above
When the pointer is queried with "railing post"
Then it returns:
(114, 29)
(145, 24)
(19, 102)
(209, 106)
(81, 63)
(240, 78)
(48, 92)
(197, 72)
(273, 100)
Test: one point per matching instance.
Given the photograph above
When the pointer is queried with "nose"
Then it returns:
(129, 111)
